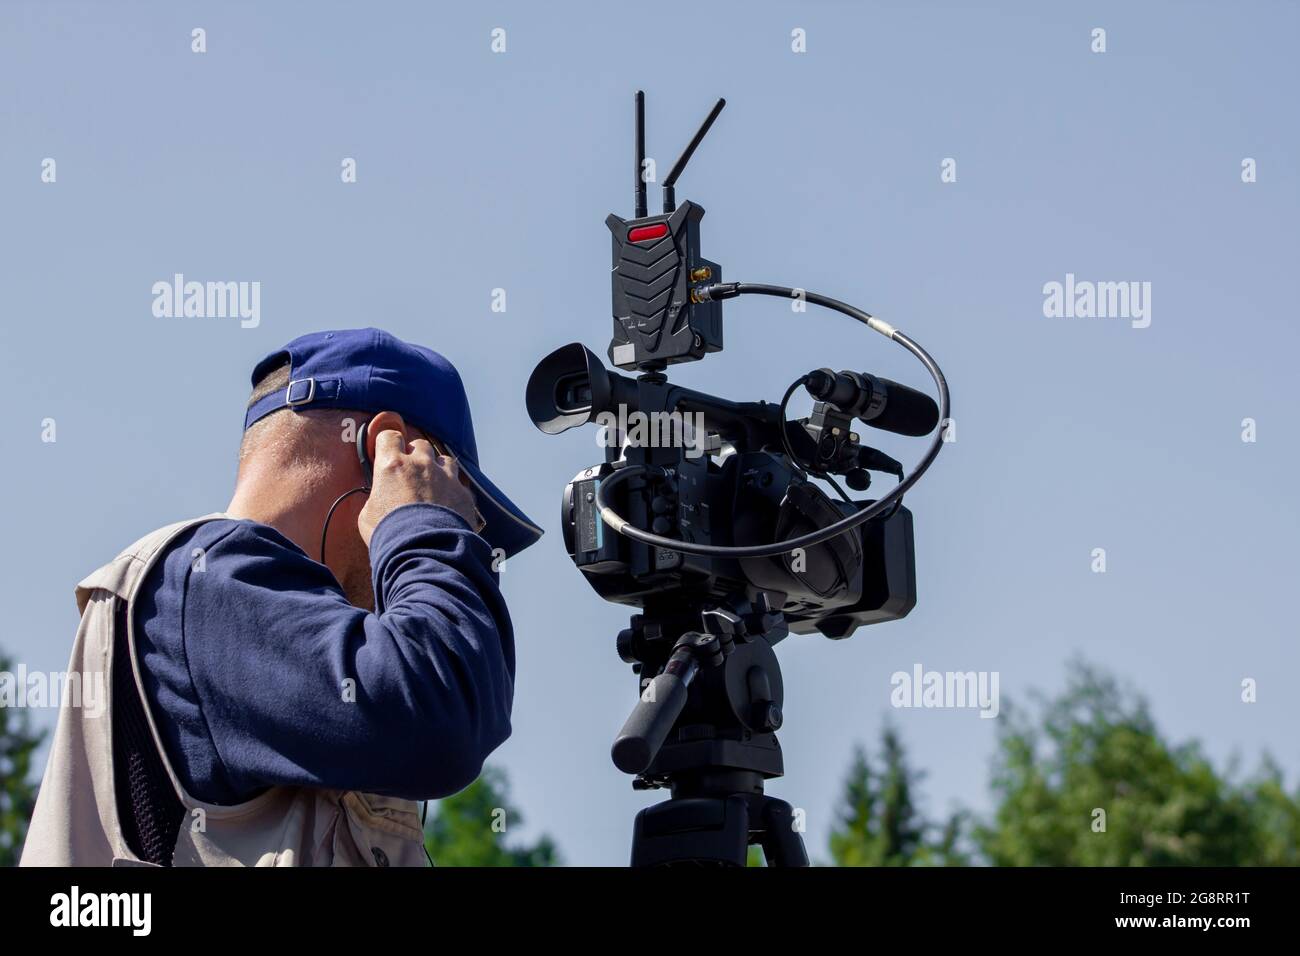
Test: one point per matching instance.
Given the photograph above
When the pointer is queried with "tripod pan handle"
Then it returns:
(648, 725)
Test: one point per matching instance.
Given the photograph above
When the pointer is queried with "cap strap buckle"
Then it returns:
(289, 399)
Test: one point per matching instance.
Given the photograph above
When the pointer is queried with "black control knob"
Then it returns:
(859, 479)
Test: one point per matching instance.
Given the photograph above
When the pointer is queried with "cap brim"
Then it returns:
(507, 527)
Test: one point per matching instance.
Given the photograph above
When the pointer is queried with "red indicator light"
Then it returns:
(641, 233)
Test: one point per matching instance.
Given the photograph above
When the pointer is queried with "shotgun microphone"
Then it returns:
(877, 401)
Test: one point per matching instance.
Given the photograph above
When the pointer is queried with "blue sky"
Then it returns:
(479, 171)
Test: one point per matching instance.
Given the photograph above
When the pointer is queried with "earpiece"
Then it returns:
(367, 468)
(368, 472)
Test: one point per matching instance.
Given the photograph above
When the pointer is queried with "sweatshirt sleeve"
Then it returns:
(298, 687)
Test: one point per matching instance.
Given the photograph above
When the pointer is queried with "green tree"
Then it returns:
(879, 823)
(1275, 816)
(1091, 782)
(17, 791)
(470, 828)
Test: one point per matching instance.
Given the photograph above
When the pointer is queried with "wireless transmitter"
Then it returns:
(658, 320)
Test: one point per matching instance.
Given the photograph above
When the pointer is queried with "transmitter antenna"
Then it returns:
(641, 209)
(670, 196)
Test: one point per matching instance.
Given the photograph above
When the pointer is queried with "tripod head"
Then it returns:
(705, 725)
(731, 652)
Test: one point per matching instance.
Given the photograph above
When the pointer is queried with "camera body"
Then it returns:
(865, 576)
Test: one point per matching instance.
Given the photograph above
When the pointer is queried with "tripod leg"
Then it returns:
(699, 830)
(782, 845)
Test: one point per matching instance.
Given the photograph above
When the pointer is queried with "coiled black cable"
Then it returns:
(727, 291)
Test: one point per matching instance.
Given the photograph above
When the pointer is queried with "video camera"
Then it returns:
(705, 515)
(721, 478)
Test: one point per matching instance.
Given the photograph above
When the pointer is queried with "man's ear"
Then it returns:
(382, 422)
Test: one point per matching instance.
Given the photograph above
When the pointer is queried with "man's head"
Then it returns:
(299, 453)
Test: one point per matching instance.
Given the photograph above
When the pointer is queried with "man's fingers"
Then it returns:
(412, 472)
(389, 442)
(444, 459)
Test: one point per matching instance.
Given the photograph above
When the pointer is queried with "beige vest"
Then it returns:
(76, 820)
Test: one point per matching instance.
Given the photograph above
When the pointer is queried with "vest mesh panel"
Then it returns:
(150, 812)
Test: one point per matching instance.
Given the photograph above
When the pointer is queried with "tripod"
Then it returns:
(705, 727)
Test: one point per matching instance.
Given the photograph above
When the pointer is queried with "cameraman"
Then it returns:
(287, 677)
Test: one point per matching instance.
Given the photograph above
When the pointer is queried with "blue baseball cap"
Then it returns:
(370, 370)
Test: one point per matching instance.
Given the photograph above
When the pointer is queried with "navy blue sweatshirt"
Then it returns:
(260, 673)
